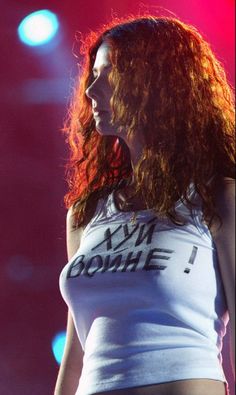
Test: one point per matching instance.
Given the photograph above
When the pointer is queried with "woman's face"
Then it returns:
(100, 92)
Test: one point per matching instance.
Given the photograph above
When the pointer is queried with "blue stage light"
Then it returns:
(58, 344)
(38, 28)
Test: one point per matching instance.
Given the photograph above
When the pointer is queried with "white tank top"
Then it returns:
(146, 298)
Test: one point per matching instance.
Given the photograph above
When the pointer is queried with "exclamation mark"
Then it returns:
(192, 258)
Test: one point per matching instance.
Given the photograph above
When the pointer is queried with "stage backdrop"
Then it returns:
(35, 87)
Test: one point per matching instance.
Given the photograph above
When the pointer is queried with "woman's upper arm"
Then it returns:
(224, 236)
(224, 239)
(73, 349)
(72, 361)
(73, 237)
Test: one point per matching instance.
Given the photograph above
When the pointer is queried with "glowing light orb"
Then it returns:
(38, 28)
(58, 344)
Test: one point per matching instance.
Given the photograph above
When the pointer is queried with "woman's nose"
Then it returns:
(88, 92)
(91, 91)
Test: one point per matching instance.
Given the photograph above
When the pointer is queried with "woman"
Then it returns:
(149, 282)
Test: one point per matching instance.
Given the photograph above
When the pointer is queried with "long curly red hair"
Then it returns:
(167, 83)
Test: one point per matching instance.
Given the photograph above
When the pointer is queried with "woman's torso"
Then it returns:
(180, 387)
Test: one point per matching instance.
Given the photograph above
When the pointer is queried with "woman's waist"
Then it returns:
(144, 369)
(180, 387)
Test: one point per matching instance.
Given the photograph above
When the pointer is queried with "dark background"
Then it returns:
(35, 88)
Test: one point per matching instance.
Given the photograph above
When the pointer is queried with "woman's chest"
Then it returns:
(145, 256)
(146, 246)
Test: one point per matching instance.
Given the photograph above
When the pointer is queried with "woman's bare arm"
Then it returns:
(71, 365)
(224, 238)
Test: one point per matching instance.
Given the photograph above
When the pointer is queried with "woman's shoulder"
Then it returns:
(225, 192)
(223, 189)
(75, 226)
(73, 219)
(73, 233)
(225, 206)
